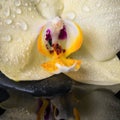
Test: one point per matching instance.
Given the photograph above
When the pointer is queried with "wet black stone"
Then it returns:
(55, 85)
(1, 111)
(118, 94)
(3, 95)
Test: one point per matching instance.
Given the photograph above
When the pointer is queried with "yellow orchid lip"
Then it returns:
(57, 40)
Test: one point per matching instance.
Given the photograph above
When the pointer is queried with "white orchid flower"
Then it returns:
(21, 22)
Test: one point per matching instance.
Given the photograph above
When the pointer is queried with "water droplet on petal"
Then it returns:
(8, 21)
(18, 11)
(7, 12)
(98, 5)
(34, 8)
(17, 3)
(26, 4)
(7, 38)
(22, 25)
(86, 9)
(30, 9)
(13, 16)
(71, 15)
(32, 16)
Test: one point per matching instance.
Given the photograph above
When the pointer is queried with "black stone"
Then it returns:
(3, 95)
(55, 85)
(1, 111)
(118, 94)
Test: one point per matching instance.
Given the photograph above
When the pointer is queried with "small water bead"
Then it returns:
(71, 15)
(30, 9)
(22, 25)
(18, 11)
(6, 38)
(8, 21)
(17, 3)
(26, 4)
(98, 5)
(34, 8)
(13, 16)
(32, 16)
(86, 9)
(7, 12)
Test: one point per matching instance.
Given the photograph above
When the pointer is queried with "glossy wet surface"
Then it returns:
(92, 101)
(55, 85)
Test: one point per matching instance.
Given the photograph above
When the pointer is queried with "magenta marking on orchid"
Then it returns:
(48, 37)
(63, 33)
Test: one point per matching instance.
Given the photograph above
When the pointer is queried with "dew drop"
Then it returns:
(6, 38)
(7, 12)
(17, 3)
(86, 9)
(18, 11)
(30, 9)
(32, 16)
(71, 15)
(22, 25)
(34, 8)
(13, 16)
(26, 4)
(98, 5)
(8, 21)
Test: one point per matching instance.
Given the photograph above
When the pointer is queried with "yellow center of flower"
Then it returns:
(57, 40)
